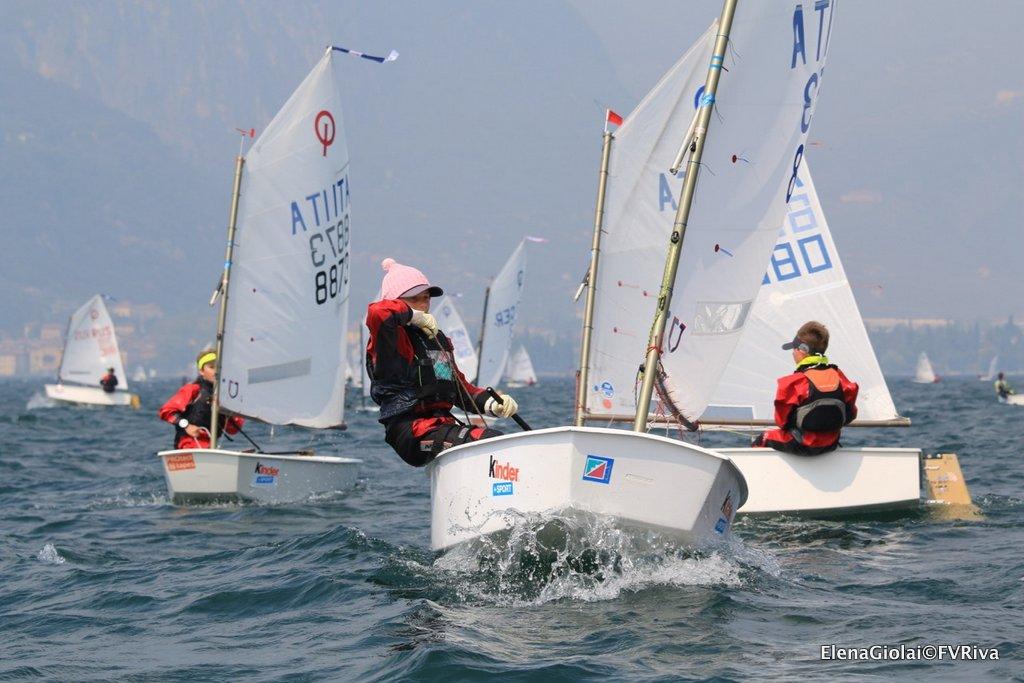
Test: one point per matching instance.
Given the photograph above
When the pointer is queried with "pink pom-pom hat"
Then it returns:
(404, 281)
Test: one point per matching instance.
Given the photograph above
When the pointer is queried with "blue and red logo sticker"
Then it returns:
(723, 521)
(598, 469)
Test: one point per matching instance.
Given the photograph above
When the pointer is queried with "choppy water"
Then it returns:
(102, 578)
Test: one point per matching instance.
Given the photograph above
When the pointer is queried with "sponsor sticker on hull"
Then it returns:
(502, 488)
(598, 469)
(182, 461)
(265, 475)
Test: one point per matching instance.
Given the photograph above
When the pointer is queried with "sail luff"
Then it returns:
(224, 288)
(583, 382)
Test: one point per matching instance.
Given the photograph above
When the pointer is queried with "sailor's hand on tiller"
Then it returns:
(507, 408)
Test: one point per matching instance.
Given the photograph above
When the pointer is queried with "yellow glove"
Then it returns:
(507, 408)
(425, 322)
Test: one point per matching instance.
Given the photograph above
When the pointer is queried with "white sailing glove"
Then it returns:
(507, 408)
(425, 322)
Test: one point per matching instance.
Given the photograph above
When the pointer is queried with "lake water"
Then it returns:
(102, 578)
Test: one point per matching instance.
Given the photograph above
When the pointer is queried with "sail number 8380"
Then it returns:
(330, 247)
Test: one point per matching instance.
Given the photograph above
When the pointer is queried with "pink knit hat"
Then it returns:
(402, 281)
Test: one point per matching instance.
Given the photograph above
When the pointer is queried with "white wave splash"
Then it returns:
(585, 557)
(49, 555)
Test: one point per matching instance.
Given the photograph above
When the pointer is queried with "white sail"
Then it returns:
(450, 322)
(519, 371)
(284, 341)
(500, 318)
(992, 370)
(91, 347)
(140, 374)
(805, 281)
(761, 117)
(924, 374)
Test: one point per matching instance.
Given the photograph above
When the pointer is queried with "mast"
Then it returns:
(362, 369)
(480, 341)
(696, 147)
(588, 311)
(223, 291)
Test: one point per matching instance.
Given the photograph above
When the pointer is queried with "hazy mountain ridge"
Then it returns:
(459, 148)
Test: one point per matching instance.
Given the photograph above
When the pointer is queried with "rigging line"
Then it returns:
(447, 355)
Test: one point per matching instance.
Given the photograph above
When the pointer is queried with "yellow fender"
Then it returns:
(945, 485)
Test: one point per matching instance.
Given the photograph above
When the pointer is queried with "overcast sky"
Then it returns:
(486, 129)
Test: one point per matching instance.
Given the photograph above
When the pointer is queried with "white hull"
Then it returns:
(924, 381)
(646, 481)
(80, 395)
(1013, 400)
(219, 475)
(846, 481)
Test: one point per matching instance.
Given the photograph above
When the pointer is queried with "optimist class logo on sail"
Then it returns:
(322, 217)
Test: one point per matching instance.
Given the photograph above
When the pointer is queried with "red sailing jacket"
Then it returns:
(793, 392)
(189, 403)
(397, 359)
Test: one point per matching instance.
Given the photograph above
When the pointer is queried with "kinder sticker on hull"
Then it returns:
(502, 488)
(598, 469)
(265, 475)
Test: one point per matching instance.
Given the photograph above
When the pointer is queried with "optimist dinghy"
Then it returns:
(281, 333)
(722, 350)
(89, 350)
(806, 281)
(645, 482)
(716, 251)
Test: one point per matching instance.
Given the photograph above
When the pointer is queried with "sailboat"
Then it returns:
(923, 373)
(90, 348)
(501, 307)
(717, 248)
(287, 272)
(519, 371)
(449, 320)
(993, 367)
(140, 374)
(806, 281)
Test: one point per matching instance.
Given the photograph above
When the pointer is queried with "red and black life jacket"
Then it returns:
(823, 410)
(429, 378)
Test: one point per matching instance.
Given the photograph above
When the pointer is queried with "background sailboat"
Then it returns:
(449, 320)
(90, 348)
(993, 367)
(519, 371)
(284, 303)
(501, 307)
(923, 373)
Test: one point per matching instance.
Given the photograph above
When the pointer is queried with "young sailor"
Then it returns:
(190, 409)
(1003, 388)
(413, 374)
(814, 403)
(109, 381)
